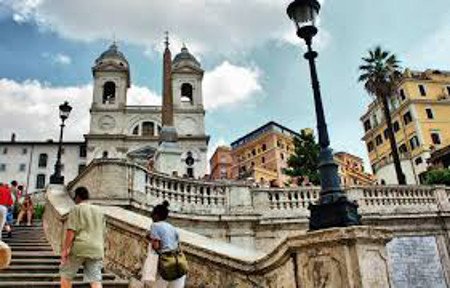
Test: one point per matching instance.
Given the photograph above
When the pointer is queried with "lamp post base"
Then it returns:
(55, 179)
(340, 213)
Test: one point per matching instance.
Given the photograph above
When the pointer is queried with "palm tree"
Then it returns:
(380, 74)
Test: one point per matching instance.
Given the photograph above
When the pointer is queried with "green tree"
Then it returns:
(380, 74)
(438, 176)
(305, 160)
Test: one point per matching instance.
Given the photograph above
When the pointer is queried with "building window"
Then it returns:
(407, 118)
(429, 113)
(414, 142)
(418, 161)
(435, 138)
(190, 172)
(282, 156)
(24, 151)
(109, 92)
(370, 146)
(186, 93)
(5, 150)
(22, 167)
(83, 151)
(448, 90)
(105, 154)
(378, 140)
(81, 167)
(40, 181)
(402, 95)
(367, 125)
(135, 130)
(396, 126)
(386, 134)
(2, 167)
(402, 149)
(253, 152)
(422, 90)
(43, 158)
(263, 160)
(264, 147)
(148, 129)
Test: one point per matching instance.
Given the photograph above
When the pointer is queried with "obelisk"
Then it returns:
(168, 154)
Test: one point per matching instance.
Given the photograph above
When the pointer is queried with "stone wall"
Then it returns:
(256, 217)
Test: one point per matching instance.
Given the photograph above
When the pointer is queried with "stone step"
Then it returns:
(31, 248)
(37, 268)
(26, 261)
(55, 284)
(34, 277)
(34, 255)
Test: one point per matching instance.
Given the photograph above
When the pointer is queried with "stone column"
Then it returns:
(353, 257)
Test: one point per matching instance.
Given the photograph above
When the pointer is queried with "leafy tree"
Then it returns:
(305, 160)
(380, 74)
(438, 176)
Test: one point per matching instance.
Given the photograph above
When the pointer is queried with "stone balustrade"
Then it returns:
(145, 189)
(214, 263)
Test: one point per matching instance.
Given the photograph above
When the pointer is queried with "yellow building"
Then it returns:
(421, 122)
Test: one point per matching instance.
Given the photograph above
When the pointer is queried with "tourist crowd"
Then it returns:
(14, 204)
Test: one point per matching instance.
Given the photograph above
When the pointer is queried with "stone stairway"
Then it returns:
(34, 264)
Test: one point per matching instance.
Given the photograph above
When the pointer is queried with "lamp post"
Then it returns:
(333, 208)
(64, 111)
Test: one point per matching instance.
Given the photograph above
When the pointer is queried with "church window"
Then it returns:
(186, 93)
(105, 154)
(136, 130)
(190, 172)
(148, 129)
(109, 92)
(189, 159)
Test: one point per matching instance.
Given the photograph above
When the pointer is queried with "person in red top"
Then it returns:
(6, 201)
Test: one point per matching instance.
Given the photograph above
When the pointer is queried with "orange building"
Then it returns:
(221, 163)
(351, 170)
(262, 154)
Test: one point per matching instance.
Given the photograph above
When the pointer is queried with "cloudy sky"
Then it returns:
(253, 62)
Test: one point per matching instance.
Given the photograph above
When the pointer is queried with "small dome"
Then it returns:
(114, 54)
(184, 55)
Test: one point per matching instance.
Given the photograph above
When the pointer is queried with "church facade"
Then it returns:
(118, 130)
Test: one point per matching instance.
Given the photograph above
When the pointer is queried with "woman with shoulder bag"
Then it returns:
(172, 264)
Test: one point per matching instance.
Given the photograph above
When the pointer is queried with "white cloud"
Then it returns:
(228, 84)
(62, 59)
(59, 58)
(205, 25)
(30, 108)
(432, 52)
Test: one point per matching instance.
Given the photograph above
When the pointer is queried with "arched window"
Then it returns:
(148, 129)
(105, 154)
(43, 158)
(109, 92)
(186, 93)
(136, 130)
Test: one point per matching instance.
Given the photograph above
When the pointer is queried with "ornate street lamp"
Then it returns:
(333, 208)
(64, 111)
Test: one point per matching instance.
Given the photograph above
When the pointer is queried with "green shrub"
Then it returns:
(38, 211)
(438, 176)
